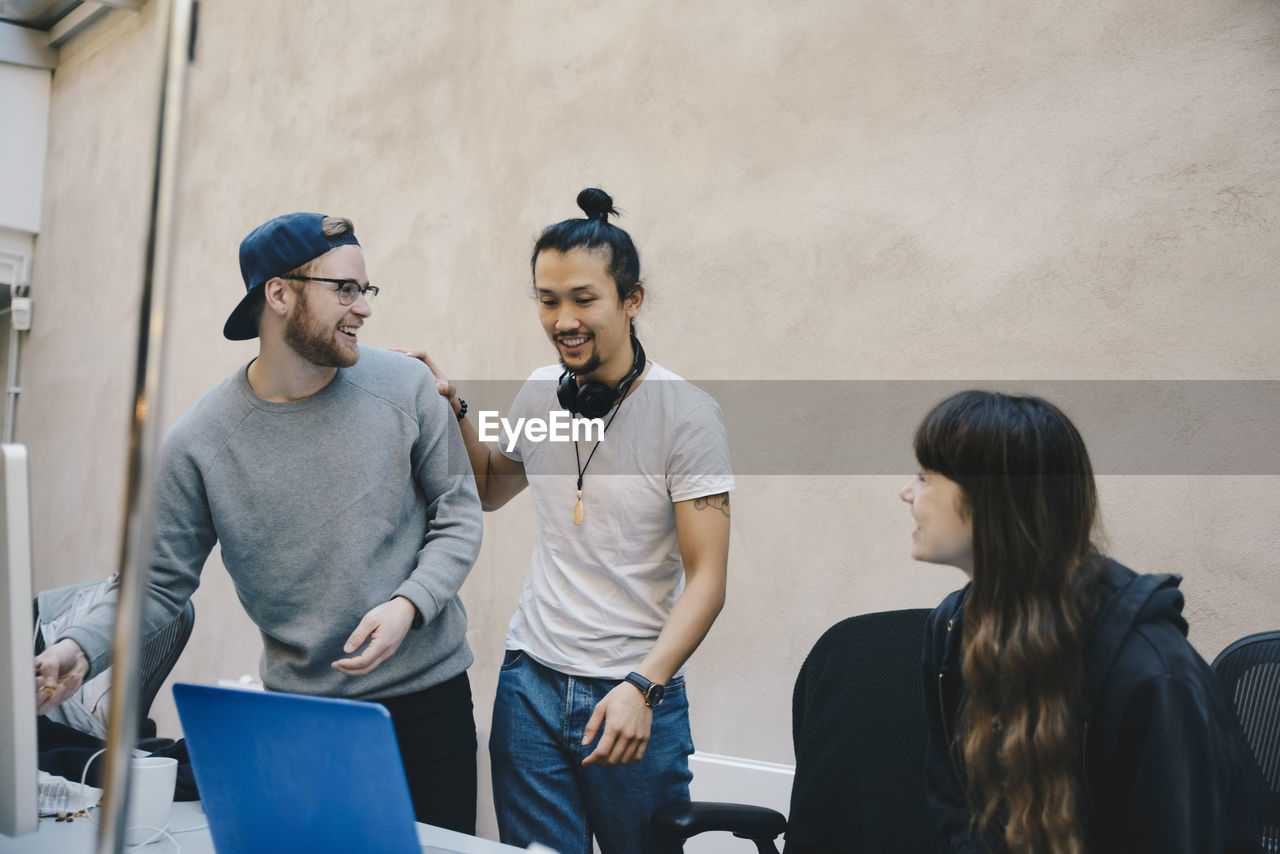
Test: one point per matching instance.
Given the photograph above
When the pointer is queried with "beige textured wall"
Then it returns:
(832, 190)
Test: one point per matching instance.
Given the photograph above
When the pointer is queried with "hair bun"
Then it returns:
(596, 204)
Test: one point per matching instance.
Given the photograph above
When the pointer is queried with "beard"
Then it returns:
(316, 346)
(589, 366)
(592, 363)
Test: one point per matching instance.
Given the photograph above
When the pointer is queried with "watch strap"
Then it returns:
(646, 687)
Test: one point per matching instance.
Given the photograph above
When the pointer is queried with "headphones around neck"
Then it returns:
(594, 399)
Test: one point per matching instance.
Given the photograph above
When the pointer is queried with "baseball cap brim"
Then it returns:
(242, 324)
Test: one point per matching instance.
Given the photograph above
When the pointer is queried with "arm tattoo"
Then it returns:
(716, 502)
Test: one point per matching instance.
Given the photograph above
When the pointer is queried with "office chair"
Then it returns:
(86, 709)
(859, 728)
(1249, 670)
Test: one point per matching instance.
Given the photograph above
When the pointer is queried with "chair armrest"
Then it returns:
(679, 821)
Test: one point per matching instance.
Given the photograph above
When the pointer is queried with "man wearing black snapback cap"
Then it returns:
(337, 483)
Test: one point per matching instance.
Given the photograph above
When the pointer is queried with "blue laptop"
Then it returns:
(283, 772)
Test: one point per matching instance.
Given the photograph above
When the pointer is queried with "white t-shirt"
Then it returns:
(597, 594)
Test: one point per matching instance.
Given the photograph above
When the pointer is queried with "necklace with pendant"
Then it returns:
(582, 469)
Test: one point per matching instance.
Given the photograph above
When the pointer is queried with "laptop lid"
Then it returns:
(285, 772)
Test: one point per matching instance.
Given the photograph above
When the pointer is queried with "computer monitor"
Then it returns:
(18, 813)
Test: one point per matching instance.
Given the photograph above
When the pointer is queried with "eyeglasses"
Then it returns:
(349, 290)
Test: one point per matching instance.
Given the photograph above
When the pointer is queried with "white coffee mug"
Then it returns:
(151, 783)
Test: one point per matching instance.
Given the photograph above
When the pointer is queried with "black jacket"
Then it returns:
(1165, 764)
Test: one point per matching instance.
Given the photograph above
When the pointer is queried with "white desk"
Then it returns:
(80, 837)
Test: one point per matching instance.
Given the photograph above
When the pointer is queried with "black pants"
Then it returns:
(437, 735)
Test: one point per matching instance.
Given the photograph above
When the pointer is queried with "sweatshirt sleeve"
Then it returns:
(1179, 782)
(454, 528)
(183, 538)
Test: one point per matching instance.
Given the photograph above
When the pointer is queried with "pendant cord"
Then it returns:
(582, 470)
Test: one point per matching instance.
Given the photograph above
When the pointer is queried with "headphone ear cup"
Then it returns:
(595, 400)
(567, 393)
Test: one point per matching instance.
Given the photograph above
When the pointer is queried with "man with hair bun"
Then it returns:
(336, 483)
(590, 723)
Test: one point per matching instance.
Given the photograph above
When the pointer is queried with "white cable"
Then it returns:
(160, 833)
(204, 826)
(84, 774)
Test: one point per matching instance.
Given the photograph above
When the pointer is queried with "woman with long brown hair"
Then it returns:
(1068, 713)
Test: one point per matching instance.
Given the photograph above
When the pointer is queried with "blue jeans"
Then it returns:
(541, 790)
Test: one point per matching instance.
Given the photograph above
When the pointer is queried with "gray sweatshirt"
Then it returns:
(325, 508)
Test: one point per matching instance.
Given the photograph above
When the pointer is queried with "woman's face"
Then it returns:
(944, 528)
